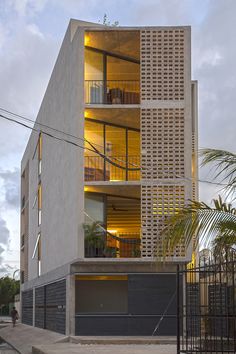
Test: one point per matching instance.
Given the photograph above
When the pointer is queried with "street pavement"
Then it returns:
(23, 338)
(69, 348)
(6, 348)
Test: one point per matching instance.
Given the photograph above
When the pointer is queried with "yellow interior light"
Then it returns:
(86, 114)
(39, 197)
(86, 40)
(112, 231)
(86, 189)
(40, 147)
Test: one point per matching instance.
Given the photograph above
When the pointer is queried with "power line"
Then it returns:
(75, 137)
(46, 126)
(91, 144)
(94, 150)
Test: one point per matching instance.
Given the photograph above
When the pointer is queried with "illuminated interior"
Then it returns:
(113, 134)
(118, 211)
(112, 67)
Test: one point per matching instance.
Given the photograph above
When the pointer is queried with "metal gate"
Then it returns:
(206, 321)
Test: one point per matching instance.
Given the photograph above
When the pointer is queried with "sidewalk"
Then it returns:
(23, 338)
(69, 348)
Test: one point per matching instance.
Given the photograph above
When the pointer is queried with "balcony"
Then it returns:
(112, 92)
(107, 245)
(112, 222)
(115, 168)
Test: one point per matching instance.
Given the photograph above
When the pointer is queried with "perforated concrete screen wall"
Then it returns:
(163, 142)
(162, 72)
(166, 131)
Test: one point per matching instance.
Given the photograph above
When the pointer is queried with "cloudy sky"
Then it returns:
(31, 32)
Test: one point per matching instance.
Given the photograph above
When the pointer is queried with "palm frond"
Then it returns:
(225, 166)
(198, 221)
(223, 246)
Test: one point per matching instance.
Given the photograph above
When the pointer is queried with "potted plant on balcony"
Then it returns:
(94, 240)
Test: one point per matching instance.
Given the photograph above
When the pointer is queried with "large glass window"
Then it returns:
(94, 206)
(110, 78)
(93, 65)
(94, 164)
(39, 204)
(119, 69)
(121, 146)
(133, 155)
(94, 87)
(116, 152)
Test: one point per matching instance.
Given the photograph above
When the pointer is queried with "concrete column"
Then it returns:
(70, 305)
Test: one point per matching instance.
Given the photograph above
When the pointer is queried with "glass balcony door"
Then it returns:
(110, 79)
(120, 145)
(120, 219)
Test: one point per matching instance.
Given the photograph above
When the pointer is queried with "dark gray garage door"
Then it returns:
(27, 307)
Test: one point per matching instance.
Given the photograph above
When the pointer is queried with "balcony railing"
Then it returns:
(112, 92)
(116, 168)
(106, 245)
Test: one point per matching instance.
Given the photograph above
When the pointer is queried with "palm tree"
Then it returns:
(199, 222)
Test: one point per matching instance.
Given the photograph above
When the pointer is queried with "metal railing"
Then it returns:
(112, 92)
(206, 312)
(106, 245)
(116, 168)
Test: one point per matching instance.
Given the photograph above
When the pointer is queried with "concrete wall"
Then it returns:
(62, 164)
(30, 160)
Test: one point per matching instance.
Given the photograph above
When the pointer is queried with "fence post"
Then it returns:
(178, 311)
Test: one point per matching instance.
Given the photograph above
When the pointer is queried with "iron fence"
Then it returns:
(206, 312)
(112, 92)
(107, 245)
(119, 168)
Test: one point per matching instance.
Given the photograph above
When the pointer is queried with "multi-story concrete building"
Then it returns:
(124, 110)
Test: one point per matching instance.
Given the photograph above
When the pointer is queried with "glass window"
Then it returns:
(94, 207)
(94, 88)
(119, 69)
(40, 154)
(93, 65)
(94, 164)
(133, 154)
(39, 256)
(116, 151)
(39, 204)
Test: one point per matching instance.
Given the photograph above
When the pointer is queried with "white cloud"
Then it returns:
(27, 58)
(10, 188)
(35, 30)
(4, 232)
(27, 7)
(211, 57)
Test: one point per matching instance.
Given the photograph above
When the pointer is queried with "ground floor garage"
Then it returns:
(104, 304)
(131, 304)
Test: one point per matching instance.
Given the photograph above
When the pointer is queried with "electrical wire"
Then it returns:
(94, 150)
(74, 137)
